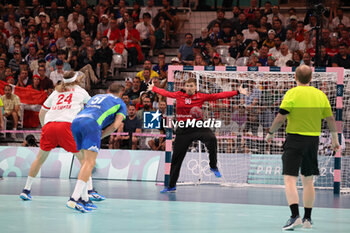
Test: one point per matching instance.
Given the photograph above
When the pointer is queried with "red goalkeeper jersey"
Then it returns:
(185, 103)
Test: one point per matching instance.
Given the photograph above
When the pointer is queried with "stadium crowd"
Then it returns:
(39, 43)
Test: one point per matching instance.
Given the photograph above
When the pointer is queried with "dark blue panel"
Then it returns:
(231, 68)
(209, 68)
(340, 90)
(339, 114)
(188, 68)
(170, 86)
(275, 69)
(320, 69)
(253, 68)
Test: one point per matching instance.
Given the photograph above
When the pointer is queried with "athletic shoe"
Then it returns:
(307, 223)
(25, 195)
(89, 204)
(77, 205)
(169, 190)
(216, 172)
(94, 196)
(292, 223)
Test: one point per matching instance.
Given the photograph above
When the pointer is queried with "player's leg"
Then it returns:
(33, 171)
(79, 201)
(291, 161)
(309, 168)
(308, 199)
(181, 144)
(207, 136)
(89, 192)
(48, 141)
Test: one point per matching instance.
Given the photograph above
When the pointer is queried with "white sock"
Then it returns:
(89, 184)
(78, 190)
(84, 194)
(29, 183)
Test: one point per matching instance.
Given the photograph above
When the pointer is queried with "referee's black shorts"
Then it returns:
(300, 152)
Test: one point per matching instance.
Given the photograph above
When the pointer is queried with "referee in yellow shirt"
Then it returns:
(304, 107)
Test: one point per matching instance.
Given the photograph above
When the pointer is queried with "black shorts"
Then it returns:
(300, 152)
(146, 42)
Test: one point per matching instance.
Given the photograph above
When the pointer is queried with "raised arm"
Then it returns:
(163, 92)
(226, 94)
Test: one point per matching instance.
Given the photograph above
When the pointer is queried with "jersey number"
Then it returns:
(61, 99)
(98, 100)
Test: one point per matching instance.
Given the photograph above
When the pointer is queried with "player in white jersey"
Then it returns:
(56, 116)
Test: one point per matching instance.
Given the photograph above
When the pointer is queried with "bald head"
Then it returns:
(303, 74)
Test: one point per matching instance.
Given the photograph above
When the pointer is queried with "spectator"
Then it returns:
(326, 60)
(36, 83)
(161, 68)
(344, 37)
(104, 58)
(241, 24)
(24, 79)
(271, 60)
(61, 55)
(296, 59)
(146, 31)
(126, 100)
(279, 29)
(148, 9)
(264, 50)
(134, 92)
(263, 28)
(104, 25)
(306, 59)
(2, 68)
(113, 33)
(341, 18)
(235, 12)
(57, 75)
(8, 72)
(200, 42)
(312, 24)
(325, 37)
(250, 33)
(269, 42)
(216, 60)
(276, 49)
(249, 12)
(130, 125)
(10, 80)
(26, 18)
(61, 42)
(283, 56)
(342, 59)
(199, 61)
(11, 104)
(333, 48)
(74, 19)
(299, 33)
(53, 52)
(11, 23)
(147, 80)
(293, 23)
(46, 84)
(147, 107)
(31, 56)
(225, 35)
(186, 54)
(214, 35)
(293, 45)
(267, 8)
(14, 62)
(131, 38)
(220, 18)
(276, 13)
(30, 141)
(135, 14)
(124, 19)
(147, 65)
(91, 26)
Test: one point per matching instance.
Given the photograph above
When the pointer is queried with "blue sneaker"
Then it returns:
(292, 223)
(94, 196)
(89, 204)
(77, 205)
(25, 195)
(169, 190)
(307, 223)
(216, 172)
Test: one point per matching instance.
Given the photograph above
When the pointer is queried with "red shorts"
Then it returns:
(57, 133)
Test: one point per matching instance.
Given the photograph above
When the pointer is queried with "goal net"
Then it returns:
(244, 158)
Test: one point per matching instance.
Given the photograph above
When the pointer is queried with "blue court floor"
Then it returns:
(139, 207)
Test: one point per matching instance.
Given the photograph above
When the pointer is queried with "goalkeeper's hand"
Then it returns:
(269, 137)
(150, 87)
(242, 90)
